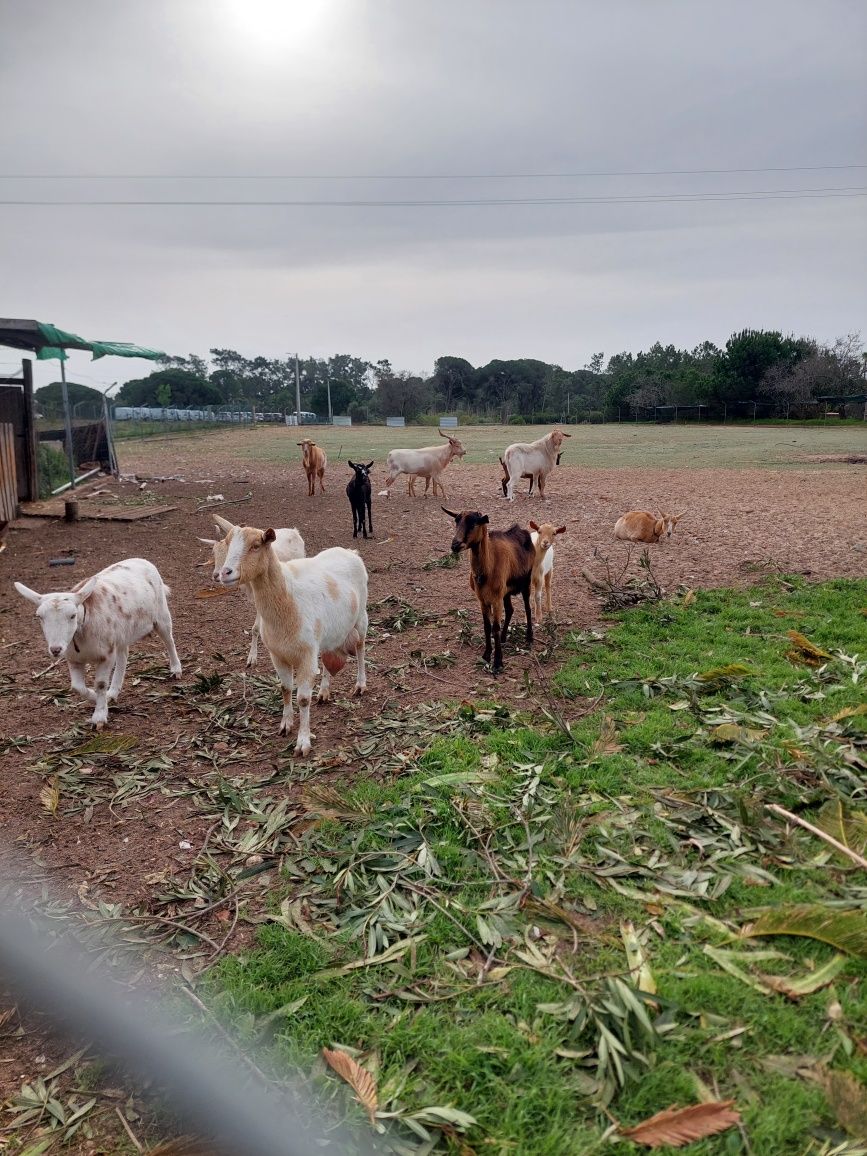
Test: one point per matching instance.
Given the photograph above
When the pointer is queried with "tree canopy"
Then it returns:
(779, 371)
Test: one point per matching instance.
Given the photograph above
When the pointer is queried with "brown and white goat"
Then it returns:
(501, 564)
(537, 478)
(543, 567)
(288, 545)
(314, 461)
(642, 526)
(308, 609)
(427, 462)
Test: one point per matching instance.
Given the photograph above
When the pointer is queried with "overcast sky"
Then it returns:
(443, 89)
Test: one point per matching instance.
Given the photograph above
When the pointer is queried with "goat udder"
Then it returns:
(333, 661)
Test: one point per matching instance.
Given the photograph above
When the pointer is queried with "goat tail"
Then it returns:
(167, 590)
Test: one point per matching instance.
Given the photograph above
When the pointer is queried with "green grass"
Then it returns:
(505, 858)
(614, 445)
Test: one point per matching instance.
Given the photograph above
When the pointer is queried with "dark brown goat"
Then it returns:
(504, 481)
(501, 565)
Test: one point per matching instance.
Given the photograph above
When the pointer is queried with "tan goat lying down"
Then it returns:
(642, 526)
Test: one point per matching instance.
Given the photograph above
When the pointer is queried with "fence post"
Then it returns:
(31, 441)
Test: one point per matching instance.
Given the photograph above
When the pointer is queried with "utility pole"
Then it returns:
(328, 387)
(297, 392)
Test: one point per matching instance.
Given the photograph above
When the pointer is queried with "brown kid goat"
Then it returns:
(501, 565)
(642, 526)
(314, 462)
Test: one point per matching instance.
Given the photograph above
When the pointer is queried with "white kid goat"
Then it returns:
(308, 609)
(96, 623)
(288, 544)
(543, 568)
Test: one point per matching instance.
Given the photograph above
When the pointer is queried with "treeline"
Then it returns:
(782, 374)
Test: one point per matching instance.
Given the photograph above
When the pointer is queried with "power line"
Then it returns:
(663, 198)
(417, 176)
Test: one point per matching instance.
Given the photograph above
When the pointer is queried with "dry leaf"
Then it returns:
(358, 1078)
(844, 929)
(636, 958)
(678, 1126)
(607, 743)
(806, 651)
(211, 592)
(848, 1099)
(49, 796)
(688, 598)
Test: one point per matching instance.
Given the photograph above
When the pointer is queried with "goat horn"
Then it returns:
(222, 523)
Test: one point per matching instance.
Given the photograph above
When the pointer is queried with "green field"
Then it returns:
(613, 445)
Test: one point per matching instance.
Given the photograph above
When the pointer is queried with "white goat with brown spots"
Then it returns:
(543, 567)
(96, 623)
(308, 609)
(288, 545)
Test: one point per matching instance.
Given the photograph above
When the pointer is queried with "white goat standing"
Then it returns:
(427, 462)
(96, 623)
(536, 458)
(308, 609)
(288, 545)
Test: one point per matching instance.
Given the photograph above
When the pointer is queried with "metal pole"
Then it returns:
(297, 393)
(328, 387)
(68, 423)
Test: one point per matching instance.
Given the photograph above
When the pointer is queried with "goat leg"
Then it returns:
(507, 618)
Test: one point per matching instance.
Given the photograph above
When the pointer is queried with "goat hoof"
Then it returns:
(324, 697)
(358, 691)
(302, 749)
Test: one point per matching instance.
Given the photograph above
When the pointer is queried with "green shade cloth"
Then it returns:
(57, 341)
(50, 343)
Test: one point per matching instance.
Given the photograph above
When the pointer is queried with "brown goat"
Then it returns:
(501, 565)
(537, 478)
(642, 526)
(314, 462)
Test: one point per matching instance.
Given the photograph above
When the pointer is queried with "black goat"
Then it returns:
(358, 492)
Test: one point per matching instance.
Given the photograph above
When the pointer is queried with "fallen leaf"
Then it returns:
(636, 958)
(607, 743)
(49, 796)
(847, 827)
(806, 651)
(718, 675)
(678, 1126)
(688, 598)
(848, 1099)
(845, 930)
(811, 982)
(211, 592)
(358, 1078)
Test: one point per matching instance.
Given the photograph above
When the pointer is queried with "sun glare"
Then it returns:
(271, 26)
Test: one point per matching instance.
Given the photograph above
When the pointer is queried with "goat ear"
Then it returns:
(369, 465)
(350, 463)
(532, 525)
(207, 541)
(560, 530)
(85, 591)
(483, 521)
(450, 514)
(677, 517)
(223, 524)
(268, 536)
(27, 593)
(565, 435)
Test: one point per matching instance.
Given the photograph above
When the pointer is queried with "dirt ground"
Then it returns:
(809, 521)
